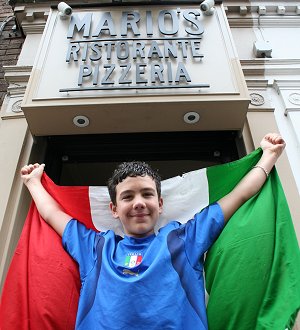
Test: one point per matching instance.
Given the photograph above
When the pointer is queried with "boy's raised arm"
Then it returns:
(50, 211)
(272, 145)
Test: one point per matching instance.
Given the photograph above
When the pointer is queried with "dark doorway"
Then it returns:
(90, 159)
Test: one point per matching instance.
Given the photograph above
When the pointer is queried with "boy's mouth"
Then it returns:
(139, 215)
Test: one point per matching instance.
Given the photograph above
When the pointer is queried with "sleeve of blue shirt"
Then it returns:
(80, 243)
(201, 232)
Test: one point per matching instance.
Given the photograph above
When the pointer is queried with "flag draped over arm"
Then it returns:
(252, 271)
(42, 286)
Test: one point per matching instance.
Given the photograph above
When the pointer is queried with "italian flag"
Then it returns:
(252, 271)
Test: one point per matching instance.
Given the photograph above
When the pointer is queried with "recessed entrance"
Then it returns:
(90, 159)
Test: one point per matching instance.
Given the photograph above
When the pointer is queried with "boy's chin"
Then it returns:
(141, 232)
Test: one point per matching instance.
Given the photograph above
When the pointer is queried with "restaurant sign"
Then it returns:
(144, 54)
(125, 56)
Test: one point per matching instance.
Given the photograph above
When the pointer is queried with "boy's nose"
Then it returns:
(139, 203)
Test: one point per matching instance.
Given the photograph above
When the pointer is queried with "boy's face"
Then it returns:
(137, 205)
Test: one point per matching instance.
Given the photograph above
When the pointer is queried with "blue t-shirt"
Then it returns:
(147, 283)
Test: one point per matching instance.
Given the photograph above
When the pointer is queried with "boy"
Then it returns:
(145, 281)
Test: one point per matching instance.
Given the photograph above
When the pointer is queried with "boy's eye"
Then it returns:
(148, 194)
(126, 197)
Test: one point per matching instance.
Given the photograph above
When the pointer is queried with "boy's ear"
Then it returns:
(113, 209)
(160, 203)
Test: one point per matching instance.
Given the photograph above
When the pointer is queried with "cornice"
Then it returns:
(266, 21)
(287, 84)
(257, 83)
(17, 78)
(262, 8)
(272, 67)
(15, 73)
(32, 17)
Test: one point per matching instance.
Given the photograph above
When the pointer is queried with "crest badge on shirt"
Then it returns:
(133, 260)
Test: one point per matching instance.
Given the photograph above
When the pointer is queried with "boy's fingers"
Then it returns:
(27, 169)
(280, 140)
(24, 169)
(275, 138)
(36, 165)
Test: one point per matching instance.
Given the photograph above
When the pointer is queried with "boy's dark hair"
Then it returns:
(132, 169)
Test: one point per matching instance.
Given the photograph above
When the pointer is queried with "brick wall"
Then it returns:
(10, 43)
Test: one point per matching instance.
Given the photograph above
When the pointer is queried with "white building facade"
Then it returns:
(237, 71)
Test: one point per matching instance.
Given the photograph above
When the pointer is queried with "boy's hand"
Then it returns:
(31, 172)
(273, 143)
(47, 206)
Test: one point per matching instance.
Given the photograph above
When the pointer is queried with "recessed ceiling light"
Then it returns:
(191, 117)
(81, 121)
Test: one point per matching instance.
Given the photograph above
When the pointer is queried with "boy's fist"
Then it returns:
(32, 171)
(273, 143)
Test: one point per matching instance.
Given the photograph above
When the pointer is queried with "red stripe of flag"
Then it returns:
(42, 286)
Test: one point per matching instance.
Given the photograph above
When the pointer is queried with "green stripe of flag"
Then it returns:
(223, 178)
(253, 269)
